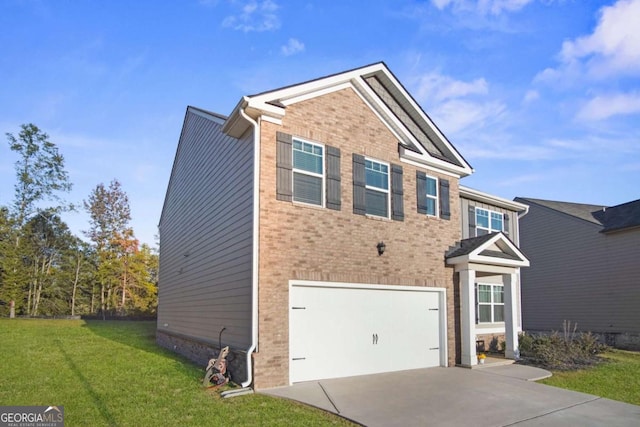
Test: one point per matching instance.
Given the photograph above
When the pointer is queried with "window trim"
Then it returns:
(322, 176)
(491, 304)
(436, 197)
(381, 190)
(489, 212)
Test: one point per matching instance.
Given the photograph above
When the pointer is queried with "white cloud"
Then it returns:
(436, 87)
(441, 4)
(531, 96)
(612, 50)
(614, 46)
(460, 108)
(255, 16)
(292, 47)
(457, 115)
(456, 105)
(484, 7)
(603, 107)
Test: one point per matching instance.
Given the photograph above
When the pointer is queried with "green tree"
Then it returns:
(9, 289)
(144, 281)
(41, 177)
(40, 171)
(109, 216)
(47, 241)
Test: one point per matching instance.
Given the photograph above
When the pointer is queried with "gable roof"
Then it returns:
(420, 140)
(614, 218)
(619, 217)
(493, 248)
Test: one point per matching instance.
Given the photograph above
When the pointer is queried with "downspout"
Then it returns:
(520, 215)
(256, 242)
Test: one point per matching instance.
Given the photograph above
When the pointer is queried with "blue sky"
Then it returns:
(542, 97)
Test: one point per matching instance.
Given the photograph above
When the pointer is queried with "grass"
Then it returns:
(112, 374)
(618, 378)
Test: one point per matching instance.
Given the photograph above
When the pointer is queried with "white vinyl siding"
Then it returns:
(308, 172)
(377, 188)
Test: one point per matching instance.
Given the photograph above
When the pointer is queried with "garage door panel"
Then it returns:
(336, 332)
(416, 327)
(324, 334)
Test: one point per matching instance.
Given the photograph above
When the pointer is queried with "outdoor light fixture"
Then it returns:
(381, 247)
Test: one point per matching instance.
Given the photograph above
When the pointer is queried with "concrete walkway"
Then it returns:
(491, 396)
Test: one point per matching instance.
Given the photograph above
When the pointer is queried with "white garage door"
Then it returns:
(338, 331)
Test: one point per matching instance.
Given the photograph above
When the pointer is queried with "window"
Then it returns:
(377, 188)
(490, 303)
(308, 175)
(488, 221)
(432, 196)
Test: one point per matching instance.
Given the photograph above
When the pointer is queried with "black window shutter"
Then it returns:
(333, 178)
(284, 160)
(397, 193)
(421, 191)
(472, 221)
(445, 205)
(505, 225)
(359, 186)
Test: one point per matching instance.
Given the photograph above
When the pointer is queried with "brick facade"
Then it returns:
(311, 243)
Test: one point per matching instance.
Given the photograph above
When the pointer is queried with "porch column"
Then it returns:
(468, 317)
(510, 316)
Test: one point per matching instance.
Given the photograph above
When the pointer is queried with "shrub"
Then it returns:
(564, 351)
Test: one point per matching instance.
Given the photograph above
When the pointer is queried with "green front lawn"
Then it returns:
(618, 378)
(112, 373)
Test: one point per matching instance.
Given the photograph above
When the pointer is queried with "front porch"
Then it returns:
(493, 360)
(491, 256)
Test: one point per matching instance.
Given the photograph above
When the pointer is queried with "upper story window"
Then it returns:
(308, 172)
(490, 303)
(432, 196)
(488, 221)
(377, 188)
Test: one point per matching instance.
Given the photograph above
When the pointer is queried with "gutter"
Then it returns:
(520, 215)
(256, 240)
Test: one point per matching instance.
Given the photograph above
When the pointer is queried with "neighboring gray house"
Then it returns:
(585, 268)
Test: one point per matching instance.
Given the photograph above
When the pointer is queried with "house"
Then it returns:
(320, 230)
(585, 268)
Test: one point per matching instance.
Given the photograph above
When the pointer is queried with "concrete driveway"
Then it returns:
(491, 396)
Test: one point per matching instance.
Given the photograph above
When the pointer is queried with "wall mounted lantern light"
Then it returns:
(381, 247)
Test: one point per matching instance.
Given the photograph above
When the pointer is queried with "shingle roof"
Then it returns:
(579, 210)
(626, 215)
(466, 246)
